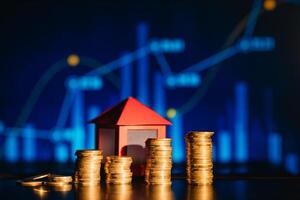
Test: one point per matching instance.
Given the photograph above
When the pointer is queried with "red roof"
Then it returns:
(130, 112)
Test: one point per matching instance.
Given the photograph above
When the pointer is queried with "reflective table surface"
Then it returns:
(223, 188)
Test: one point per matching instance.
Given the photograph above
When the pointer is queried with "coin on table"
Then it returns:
(58, 178)
(30, 183)
(55, 183)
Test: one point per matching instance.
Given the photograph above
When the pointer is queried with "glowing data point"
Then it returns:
(73, 60)
(171, 112)
(270, 5)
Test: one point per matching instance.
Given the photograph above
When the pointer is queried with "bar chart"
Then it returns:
(232, 143)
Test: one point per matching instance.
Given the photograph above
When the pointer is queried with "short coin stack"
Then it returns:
(199, 158)
(57, 180)
(88, 166)
(159, 161)
(117, 169)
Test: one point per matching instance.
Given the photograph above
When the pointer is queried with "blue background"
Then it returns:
(207, 63)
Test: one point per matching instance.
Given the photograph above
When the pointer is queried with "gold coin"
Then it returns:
(158, 142)
(55, 183)
(119, 181)
(199, 157)
(200, 134)
(30, 183)
(158, 162)
(89, 152)
(117, 169)
(61, 178)
(115, 175)
(126, 158)
(46, 175)
(88, 165)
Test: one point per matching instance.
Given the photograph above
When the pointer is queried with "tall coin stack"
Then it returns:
(88, 166)
(159, 161)
(199, 158)
(117, 169)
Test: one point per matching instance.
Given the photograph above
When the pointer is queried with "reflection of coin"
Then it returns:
(88, 192)
(195, 192)
(41, 190)
(63, 188)
(89, 183)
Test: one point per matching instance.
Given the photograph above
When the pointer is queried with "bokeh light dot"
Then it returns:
(270, 4)
(171, 113)
(73, 60)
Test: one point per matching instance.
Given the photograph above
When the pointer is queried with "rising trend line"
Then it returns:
(213, 60)
(93, 63)
(119, 62)
(163, 63)
(105, 69)
(249, 23)
(199, 94)
(66, 106)
(37, 90)
(44, 80)
(255, 11)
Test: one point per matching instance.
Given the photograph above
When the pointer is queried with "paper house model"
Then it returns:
(124, 128)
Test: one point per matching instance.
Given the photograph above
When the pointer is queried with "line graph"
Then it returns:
(241, 40)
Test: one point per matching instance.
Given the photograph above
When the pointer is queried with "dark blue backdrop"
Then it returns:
(243, 82)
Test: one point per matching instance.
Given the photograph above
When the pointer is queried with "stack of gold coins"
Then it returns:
(117, 169)
(88, 166)
(199, 158)
(159, 161)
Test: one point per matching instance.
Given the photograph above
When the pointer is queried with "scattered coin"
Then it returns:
(30, 183)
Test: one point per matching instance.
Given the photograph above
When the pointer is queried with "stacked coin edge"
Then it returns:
(117, 169)
(199, 158)
(159, 161)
